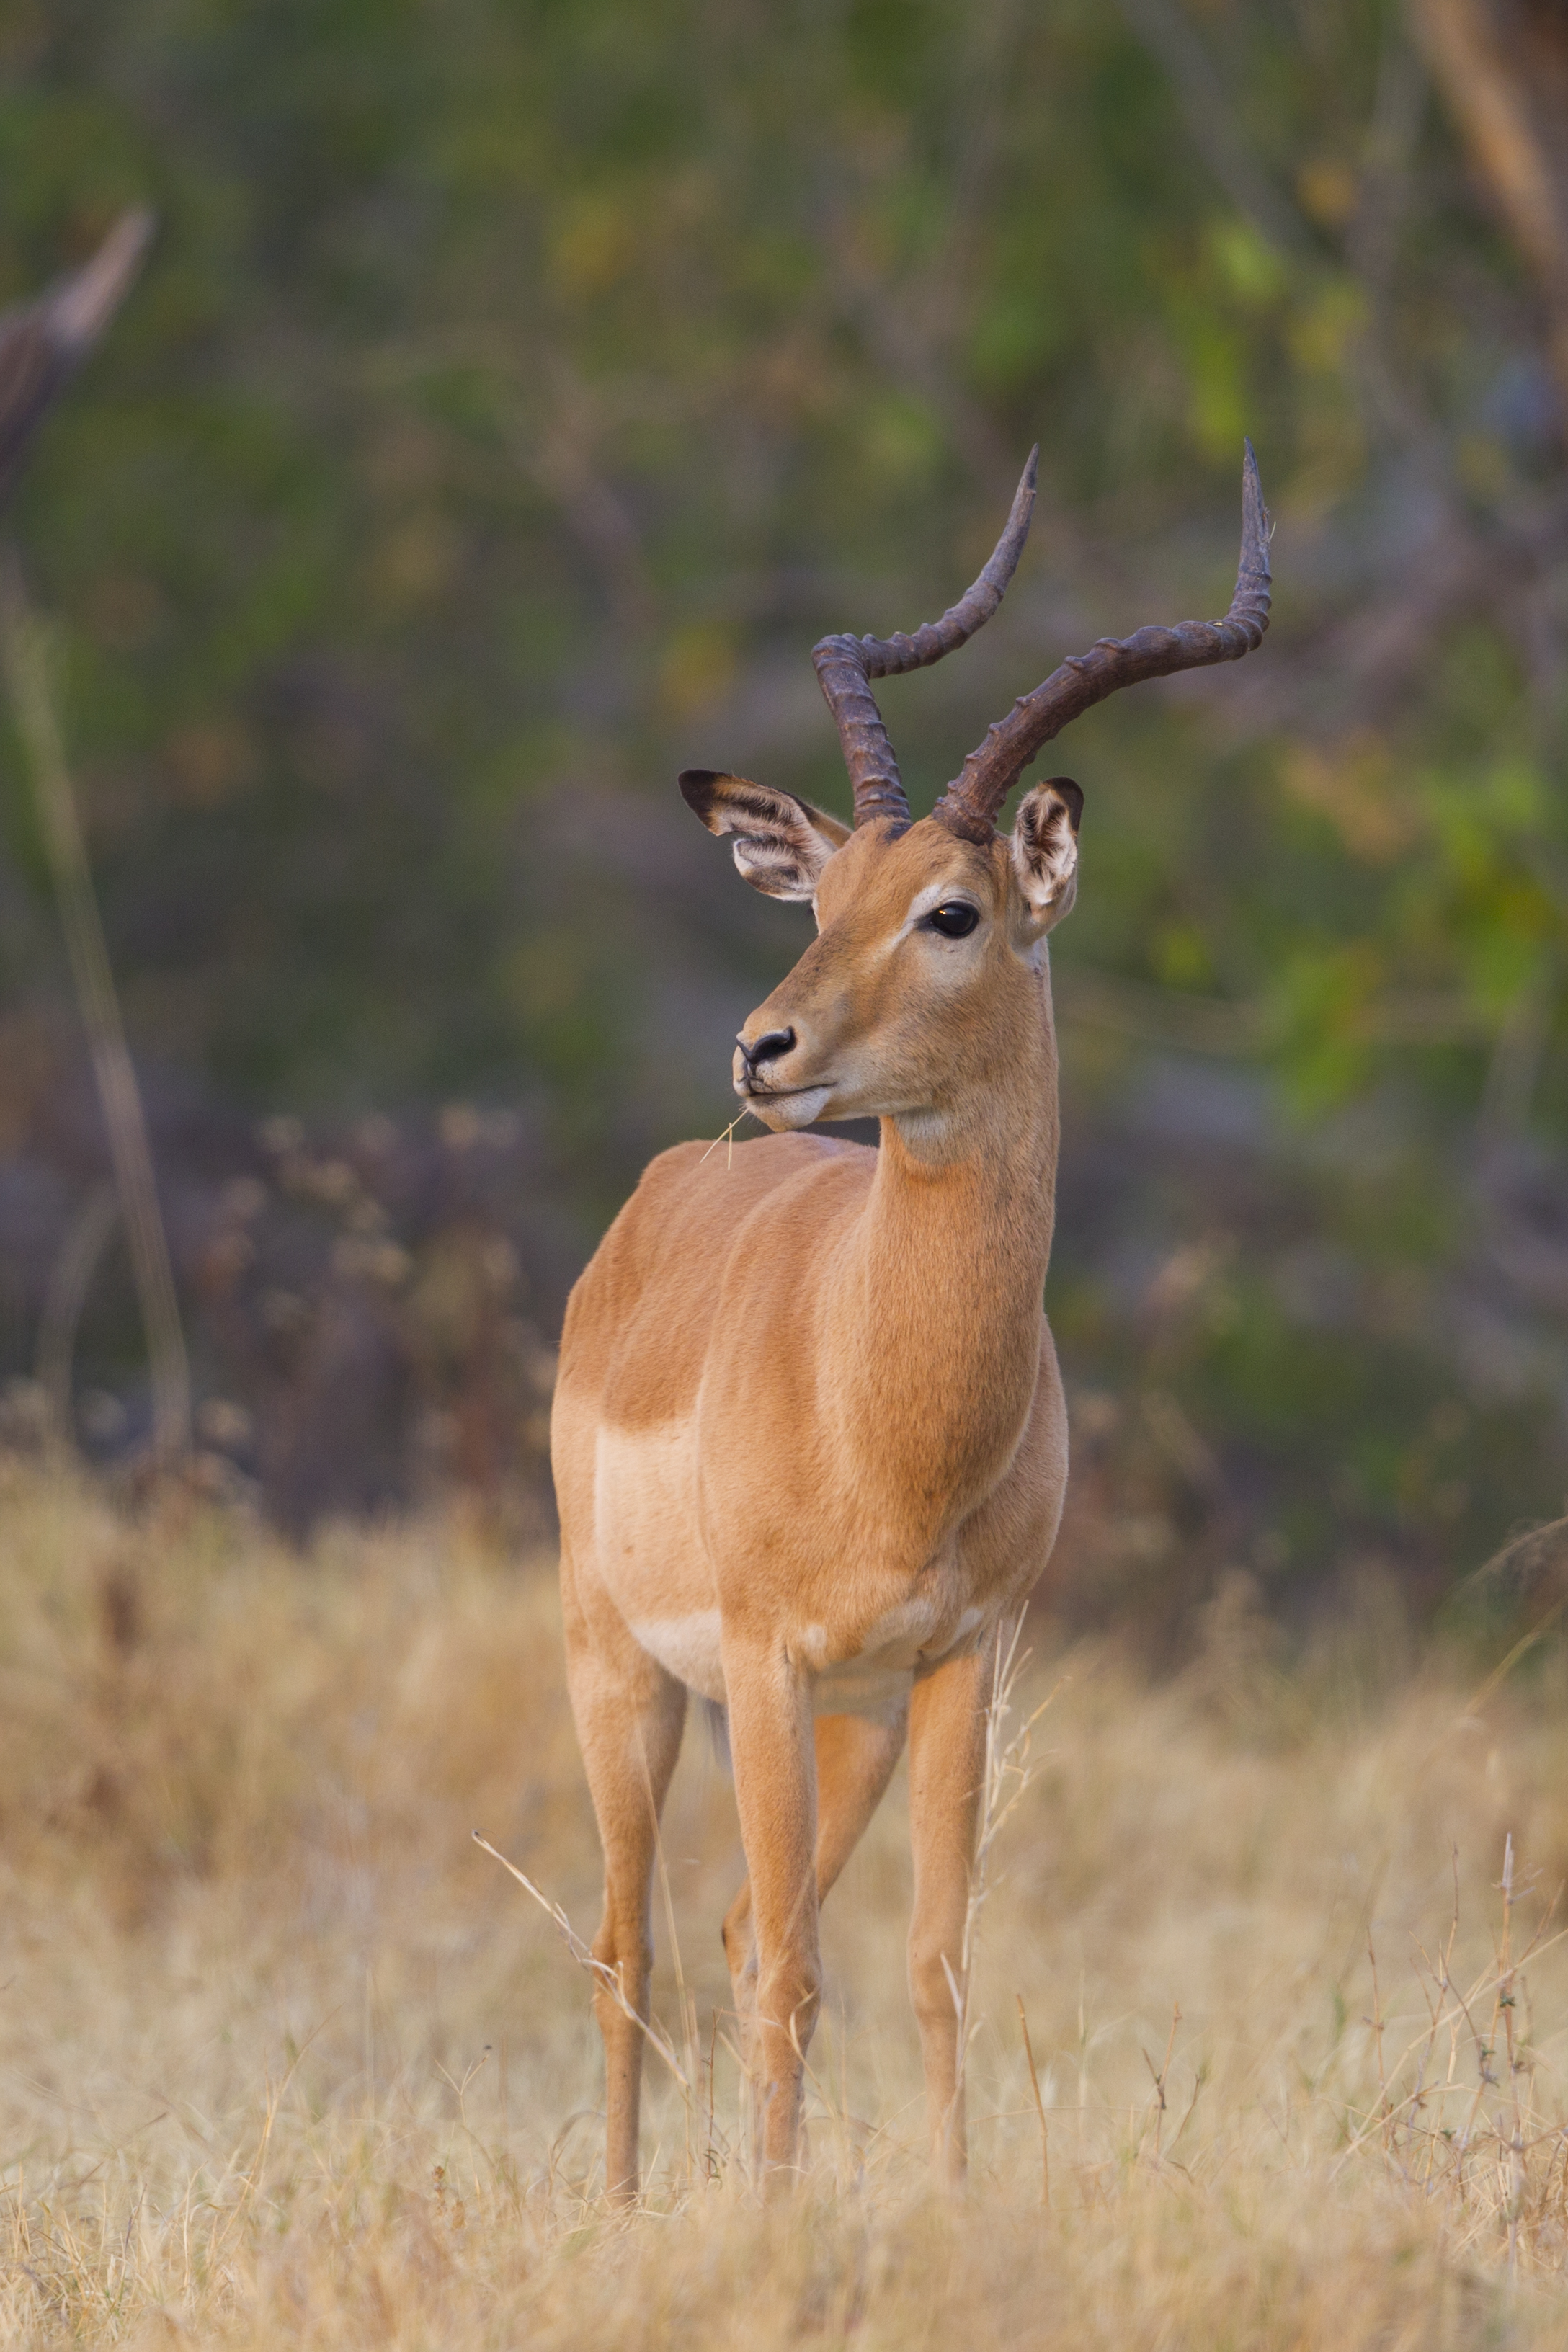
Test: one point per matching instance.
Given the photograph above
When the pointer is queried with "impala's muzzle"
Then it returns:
(767, 1079)
(753, 1061)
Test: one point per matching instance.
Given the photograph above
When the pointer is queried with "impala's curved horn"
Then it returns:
(970, 804)
(845, 665)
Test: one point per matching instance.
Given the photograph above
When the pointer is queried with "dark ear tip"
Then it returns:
(696, 788)
(1070, 795)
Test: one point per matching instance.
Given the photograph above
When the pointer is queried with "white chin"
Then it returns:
(790, 1110)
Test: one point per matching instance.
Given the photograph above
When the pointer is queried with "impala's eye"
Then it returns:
(954, 918)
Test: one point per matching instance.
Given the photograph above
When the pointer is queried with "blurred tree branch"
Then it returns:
(25, 653)
(1503, 65)
(41, 345)
(1212, 123)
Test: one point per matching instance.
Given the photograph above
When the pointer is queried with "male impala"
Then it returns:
(809, 1441)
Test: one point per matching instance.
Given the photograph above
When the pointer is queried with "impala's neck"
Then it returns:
(945, 1278)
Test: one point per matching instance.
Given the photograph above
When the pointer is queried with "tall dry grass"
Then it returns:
(284, 2058)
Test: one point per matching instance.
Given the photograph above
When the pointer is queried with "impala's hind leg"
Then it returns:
(629, 1715)
(855, 1758)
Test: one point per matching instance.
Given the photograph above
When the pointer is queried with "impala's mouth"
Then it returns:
(785, 1105)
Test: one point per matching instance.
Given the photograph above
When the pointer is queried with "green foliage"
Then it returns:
(516, 391)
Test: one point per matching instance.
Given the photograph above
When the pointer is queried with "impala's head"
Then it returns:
(923, 979)
(922, 983)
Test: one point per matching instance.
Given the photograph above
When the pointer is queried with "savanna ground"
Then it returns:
(285, 2058)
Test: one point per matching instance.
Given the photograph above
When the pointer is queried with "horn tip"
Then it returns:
(1251, 479)
(1257, 522)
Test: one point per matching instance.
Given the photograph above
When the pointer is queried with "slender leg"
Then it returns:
(947, 1761)
(629, 1716)
(855, 1758)
(775, 1794)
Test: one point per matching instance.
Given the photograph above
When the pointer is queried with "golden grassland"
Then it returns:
(285, 2059)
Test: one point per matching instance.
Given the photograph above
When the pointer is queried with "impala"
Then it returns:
(809, 1439)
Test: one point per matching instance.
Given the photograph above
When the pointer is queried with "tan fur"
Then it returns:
(810, 1441)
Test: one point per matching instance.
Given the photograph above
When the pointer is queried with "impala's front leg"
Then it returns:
(776, 1793)
(947, 1763)
(629, 1715)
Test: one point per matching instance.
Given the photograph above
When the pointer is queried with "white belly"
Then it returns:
(686, 1647)
(689, 1648)
(648, 1549)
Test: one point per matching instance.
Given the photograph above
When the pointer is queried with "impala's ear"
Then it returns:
(1044, 851)
(780, 843)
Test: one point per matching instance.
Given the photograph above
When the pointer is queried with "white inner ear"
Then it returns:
(1045, 853)
(780, 845)
(785, 861)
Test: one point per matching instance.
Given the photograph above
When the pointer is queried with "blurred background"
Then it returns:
(512, 396)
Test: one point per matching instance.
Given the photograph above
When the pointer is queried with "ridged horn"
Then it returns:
(971, 803)
(845, 665)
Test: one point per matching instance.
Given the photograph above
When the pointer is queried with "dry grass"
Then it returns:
(285, 2059)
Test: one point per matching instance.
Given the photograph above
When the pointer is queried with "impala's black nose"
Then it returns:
(769, 1047)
